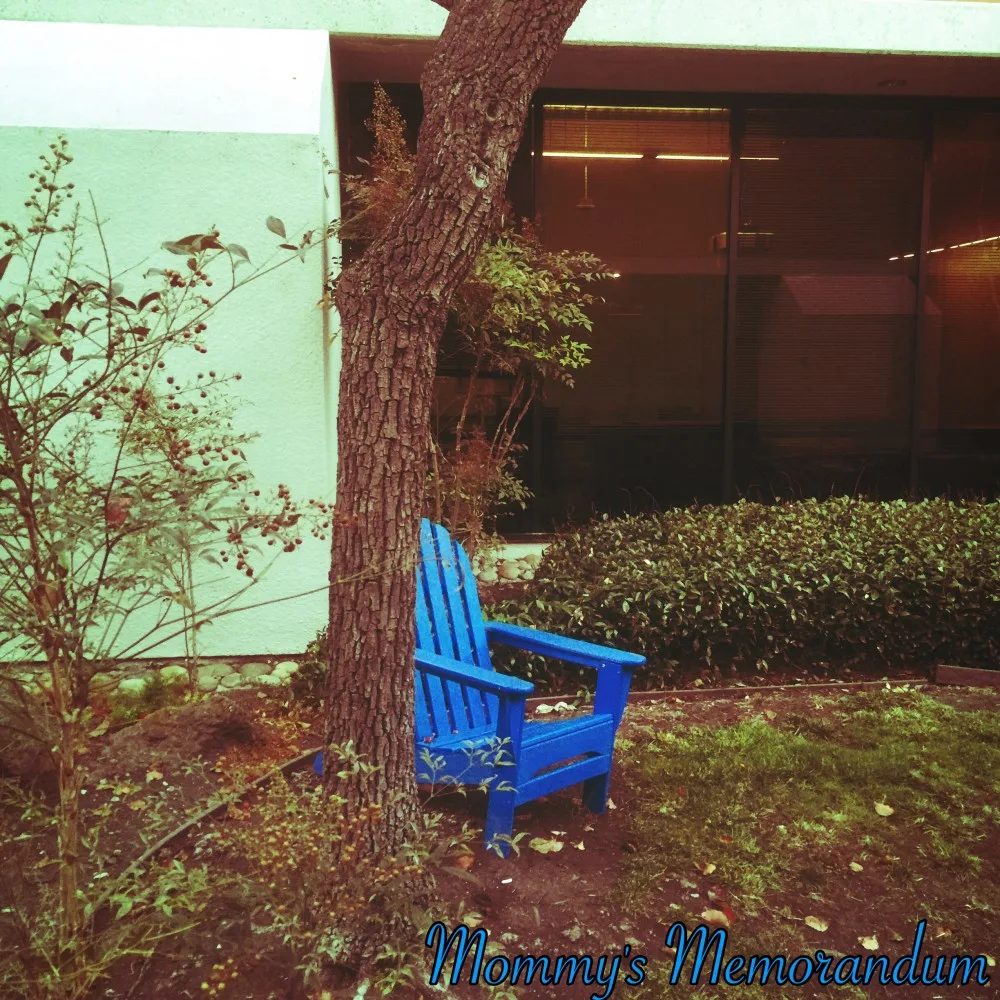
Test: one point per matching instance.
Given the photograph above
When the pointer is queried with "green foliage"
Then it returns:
(308, 683)
(124, 913)
(156, 693)
(799, 583)
(517, 316)
(319, 892)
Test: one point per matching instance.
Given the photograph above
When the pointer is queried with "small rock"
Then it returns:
(174, 673)
(509, 570)
(132, 686)
(231, 681)
(286, 667)
(251, 671)
(102, 682)
(270, 680)
(207, 679)
(217, 670)
(488, 576)
(532, 559)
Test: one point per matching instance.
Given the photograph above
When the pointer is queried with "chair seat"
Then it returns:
(553, 755)
(535, 734)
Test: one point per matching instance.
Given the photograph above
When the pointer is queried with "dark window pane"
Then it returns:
(960, 411)
(826, 301)
(642, 427)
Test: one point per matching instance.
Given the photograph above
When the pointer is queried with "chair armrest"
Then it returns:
(467, 673)
(586, 654)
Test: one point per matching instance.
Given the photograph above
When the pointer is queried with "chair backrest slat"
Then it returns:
(450, 623)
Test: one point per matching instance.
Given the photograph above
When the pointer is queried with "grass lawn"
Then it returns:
(868, 812)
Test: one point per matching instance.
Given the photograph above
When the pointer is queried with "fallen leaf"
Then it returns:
(574, 933)
(544, 709)
(714, 918)
(869, 943)
(855, 867)
(817, 924)
(580, 846)
(943, 932)
(153, 775)
(472, 920)
(770, 714)
(883, 809)
(725, 839)
(990, 961)
(544, 846)
(588, 829)
(558, 833)
(464, 862)
(611, 804)
(706, 868)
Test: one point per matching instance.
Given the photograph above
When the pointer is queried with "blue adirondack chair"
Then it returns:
(466, 711)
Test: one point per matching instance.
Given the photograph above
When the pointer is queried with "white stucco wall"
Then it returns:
(174, 131)
(904, 26)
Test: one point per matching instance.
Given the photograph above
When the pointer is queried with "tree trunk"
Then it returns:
(393, 303)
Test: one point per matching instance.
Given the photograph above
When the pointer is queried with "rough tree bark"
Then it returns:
(393, 303)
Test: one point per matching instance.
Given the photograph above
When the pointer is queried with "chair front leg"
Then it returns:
(499, 821)
(503, 790)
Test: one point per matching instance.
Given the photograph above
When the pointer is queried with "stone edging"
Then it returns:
(129, 679)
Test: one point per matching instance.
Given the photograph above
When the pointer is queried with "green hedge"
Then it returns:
(801, 583)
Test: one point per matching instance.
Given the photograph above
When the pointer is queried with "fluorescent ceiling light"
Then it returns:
(954, 246)
(632, 107)
(587, 155)
(717, 159)
(691, 156)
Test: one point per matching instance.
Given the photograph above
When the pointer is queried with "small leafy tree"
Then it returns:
(120, 475)
(519, 315)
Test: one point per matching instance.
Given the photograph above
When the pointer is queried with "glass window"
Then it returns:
(826, 301)
(960, 411)
(647, 190)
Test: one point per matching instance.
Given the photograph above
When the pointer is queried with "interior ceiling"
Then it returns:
(656, 68)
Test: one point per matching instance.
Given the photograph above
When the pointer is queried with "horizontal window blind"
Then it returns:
(647, 132)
